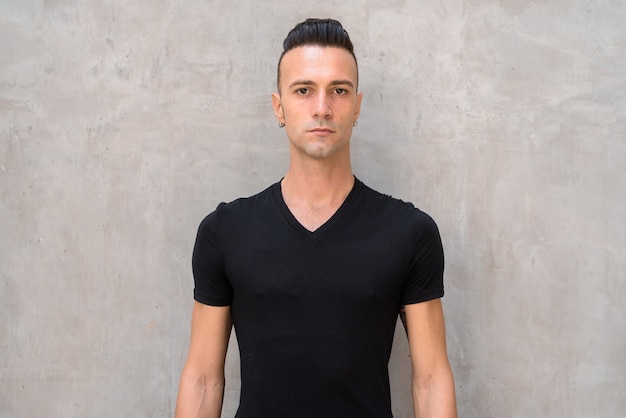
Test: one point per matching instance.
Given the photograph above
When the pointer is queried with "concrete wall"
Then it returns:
(122, 123)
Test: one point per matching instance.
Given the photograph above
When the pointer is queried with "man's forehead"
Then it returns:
(319, 61)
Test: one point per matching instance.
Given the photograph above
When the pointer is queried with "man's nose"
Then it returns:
(322, 107)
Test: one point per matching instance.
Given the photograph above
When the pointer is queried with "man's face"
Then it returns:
(318, 101)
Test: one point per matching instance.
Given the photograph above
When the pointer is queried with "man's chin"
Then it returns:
(323, 152)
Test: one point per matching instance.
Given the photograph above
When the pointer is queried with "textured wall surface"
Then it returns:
(123, 123)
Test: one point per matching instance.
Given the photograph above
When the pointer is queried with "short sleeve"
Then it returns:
(211, 286)
(425, 281)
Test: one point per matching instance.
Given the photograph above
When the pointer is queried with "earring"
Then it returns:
(356, 122)
(281, 124)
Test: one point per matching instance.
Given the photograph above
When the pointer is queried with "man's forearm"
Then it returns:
(198, 398)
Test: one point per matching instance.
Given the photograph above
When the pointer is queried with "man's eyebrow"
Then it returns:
(312, 83)
(342, 83)
(302, 83)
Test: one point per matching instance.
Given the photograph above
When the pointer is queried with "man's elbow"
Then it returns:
(206, 382)
(434, 393)
(440, 376)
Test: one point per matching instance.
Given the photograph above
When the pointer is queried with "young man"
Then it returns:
(314, 270)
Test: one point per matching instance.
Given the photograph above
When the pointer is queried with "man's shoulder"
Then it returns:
(249, 202)
(386, 200)
(395, 206)
(241, 208)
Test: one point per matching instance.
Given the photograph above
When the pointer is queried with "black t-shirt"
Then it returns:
(315, 312)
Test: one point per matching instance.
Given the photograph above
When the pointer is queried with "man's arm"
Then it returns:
(201, 390)
(433, 383)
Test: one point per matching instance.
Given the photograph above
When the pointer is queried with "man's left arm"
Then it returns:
(432, 381)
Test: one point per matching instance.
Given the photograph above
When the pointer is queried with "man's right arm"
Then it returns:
(201, 389)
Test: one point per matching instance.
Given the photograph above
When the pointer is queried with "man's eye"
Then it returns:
(340, 91)
(303, 91)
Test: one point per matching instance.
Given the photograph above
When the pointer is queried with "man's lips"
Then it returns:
(322, 130)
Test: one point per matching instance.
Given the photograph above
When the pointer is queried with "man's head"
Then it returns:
(318, 32)
(317, 100)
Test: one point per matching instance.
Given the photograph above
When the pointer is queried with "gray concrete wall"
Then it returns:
(123, 123)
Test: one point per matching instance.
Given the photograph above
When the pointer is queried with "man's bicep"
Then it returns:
(210, 332)
(427, 336)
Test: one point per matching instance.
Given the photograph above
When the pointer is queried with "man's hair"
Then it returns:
(316, 32)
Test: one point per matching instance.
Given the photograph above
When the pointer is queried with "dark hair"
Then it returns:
(319, 32)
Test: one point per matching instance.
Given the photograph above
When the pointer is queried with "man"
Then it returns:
(314, 270)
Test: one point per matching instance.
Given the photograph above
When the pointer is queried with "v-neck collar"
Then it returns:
(339, 213)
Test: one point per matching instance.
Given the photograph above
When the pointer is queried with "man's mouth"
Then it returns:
(322, 130)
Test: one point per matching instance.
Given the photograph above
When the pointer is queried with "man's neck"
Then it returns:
(314, 194)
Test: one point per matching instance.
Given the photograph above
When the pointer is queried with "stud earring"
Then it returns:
(281, 124)
(356, 122)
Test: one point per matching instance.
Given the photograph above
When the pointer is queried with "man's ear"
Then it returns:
(278, 108)
(359, 98)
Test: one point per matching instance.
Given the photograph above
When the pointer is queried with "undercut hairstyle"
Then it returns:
(317, 32)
